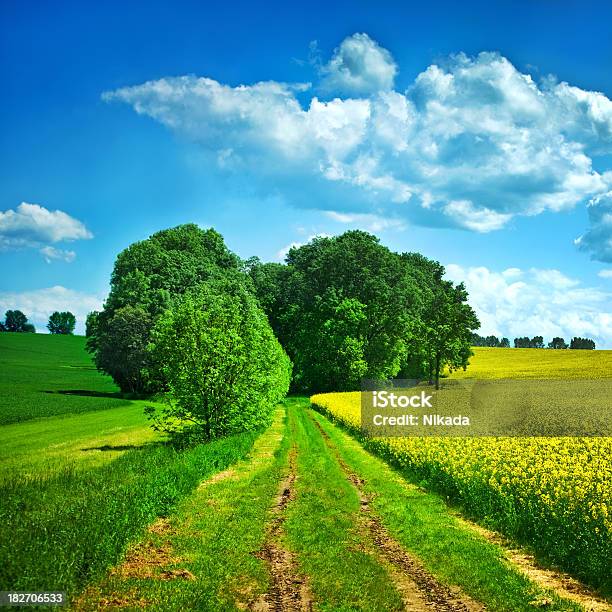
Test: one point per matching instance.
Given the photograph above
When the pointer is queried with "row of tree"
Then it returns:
(347, 308)
(492, 341)
(59, 323)
(535, 342)
(185, 314)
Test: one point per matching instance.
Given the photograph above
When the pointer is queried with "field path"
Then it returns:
(312, 521)
(289, 589)
(420, 590)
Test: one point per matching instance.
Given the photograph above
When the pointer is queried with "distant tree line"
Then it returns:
(59, 323)
(535, 342)
(492, 341)
(525, 342)
(582, 343)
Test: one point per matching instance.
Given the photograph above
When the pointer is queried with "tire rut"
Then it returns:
(289, 590)
(419, 589)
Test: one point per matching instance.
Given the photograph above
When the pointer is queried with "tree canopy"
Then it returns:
(582, 343)
(491, 341)
(346, 308)
(225, 369)
(188, 317)
(146, 278)
(61, 323)
(16, 321)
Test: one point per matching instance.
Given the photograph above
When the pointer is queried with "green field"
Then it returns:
(44, 375)
(300, 516)
(57, 411)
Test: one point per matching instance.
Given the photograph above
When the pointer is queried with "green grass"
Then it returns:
(217, 531)
(537, 363)
(421, 522)
(79, 487)
(42, 447)
(43, 375)
(321, 528)
(214, 534)
(62, 531)
(79, 484)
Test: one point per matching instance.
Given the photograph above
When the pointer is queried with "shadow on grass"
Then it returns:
(103, 394)
(125, 447)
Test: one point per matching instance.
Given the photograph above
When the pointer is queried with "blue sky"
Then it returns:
(479, 134)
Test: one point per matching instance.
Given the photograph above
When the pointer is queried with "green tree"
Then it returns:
(504, 343)
(443, 322)
(537, 342)
(557, 343)
(582, 343)
(224, 368)
(15, 320)
(121, 348)
(91, 328)
(448, 326)
(146, 278)
(341, 308)
(61, 323)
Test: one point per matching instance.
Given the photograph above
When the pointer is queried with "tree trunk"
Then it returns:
(437, 372)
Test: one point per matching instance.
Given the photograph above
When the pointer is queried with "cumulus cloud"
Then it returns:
(597, 240)
(472, 143)
(282, 253)
(51, 253)
(38, 304)
(605, 273)
(534, 302)
(366, 221)
(359, 66)
(34, 226)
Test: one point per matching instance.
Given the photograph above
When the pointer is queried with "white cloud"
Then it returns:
(534, 302)
(597, 240)
(34, 226)
(472, 143)
(366, 221)
(479, 220)
(282, 253)
(605, 273)
(359, 66)
(51, 253)
(38, 305)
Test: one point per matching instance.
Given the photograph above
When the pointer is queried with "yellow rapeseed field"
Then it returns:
(553, 493)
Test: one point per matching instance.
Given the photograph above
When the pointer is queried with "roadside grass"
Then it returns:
(45, 375)
(321, 527)
(214, 534)
(537, 363)
(423, 524)
(59, 532)
(207, 553)
(217, 535)
(41, 447)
